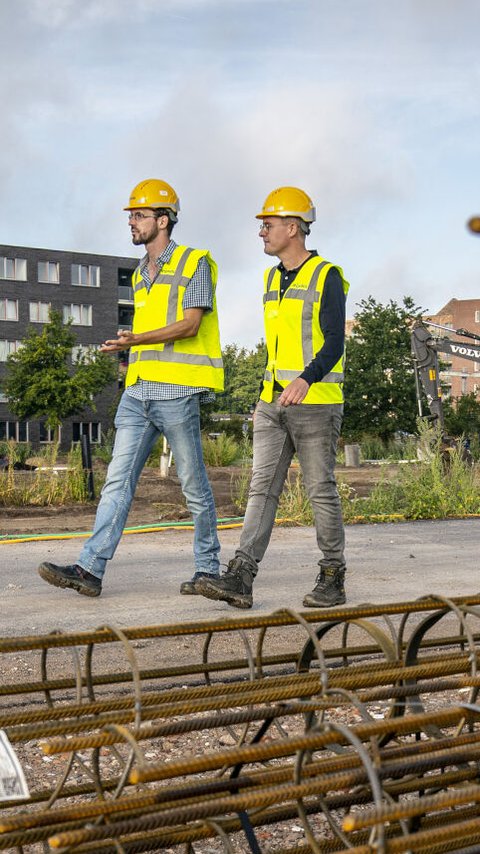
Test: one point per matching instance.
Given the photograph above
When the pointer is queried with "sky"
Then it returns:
(371, 106)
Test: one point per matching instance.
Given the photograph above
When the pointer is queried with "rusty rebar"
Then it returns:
(402, 667)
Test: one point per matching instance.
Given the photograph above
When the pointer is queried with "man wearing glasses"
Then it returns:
(175, 363)
(301, 402)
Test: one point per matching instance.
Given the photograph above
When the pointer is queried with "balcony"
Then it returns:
(125, 293)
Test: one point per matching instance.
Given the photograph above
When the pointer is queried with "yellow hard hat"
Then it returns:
(154, 193)
(288, 201)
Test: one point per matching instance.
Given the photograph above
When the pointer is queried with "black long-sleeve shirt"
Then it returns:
(332, 321)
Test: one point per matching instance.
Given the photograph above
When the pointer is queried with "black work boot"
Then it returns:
(234, 586)
(189, 588)
(328, 590)
(71, 576)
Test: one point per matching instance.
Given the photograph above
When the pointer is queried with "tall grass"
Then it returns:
(221, 451)
(47, 485)
(240, 481)
(400, 448)
(439, 486)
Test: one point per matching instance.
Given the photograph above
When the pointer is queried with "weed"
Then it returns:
(240, 482)
(104, 451)
(435, 487)
(221, 451)
(47, 485)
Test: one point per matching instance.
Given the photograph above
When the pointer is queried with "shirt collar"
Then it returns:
(313, 253)
(163, 257)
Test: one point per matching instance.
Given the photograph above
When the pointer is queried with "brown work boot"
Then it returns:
(329, 590)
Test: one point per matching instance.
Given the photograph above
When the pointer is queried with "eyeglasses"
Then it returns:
(266, 226)
(137, 216)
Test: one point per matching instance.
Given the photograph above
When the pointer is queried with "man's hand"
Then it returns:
(124, 340)
(294, 393)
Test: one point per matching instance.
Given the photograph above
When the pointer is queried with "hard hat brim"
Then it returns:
(307, 217)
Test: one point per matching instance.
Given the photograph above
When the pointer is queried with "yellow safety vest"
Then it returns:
(293, 333)
(195, 361)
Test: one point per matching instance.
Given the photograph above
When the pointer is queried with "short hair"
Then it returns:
(172, 218)
(303, 226)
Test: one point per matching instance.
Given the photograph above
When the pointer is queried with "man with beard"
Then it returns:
(175, 364)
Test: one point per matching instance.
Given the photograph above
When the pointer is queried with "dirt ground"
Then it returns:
(159, 499)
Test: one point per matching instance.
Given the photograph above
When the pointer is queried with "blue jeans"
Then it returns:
(139, 424)
(312, 431)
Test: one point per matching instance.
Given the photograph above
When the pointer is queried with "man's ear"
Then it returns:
(163, 221)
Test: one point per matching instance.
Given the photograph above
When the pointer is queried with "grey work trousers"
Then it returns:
(311, 431)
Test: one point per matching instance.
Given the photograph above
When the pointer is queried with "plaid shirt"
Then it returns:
(198, 294)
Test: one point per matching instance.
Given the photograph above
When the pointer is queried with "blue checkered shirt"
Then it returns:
(198, 294)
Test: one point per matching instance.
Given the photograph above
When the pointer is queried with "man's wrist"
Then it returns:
(308, 375)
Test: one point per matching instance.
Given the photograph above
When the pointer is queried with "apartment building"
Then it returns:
(460, 376)
(93, 290)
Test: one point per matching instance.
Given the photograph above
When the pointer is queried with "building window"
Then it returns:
(87, 275)
(92, 429)
(80, 315)
(477, 316)
(47, 434)
(125, 290)
(13, 268)
(8, 309)
(16, 430)
(39, 312)
(48, 271)
(7, 347)
(125, 316)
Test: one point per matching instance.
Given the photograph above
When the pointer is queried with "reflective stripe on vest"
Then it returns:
(310, 296)
(195, 361)
(170, 356)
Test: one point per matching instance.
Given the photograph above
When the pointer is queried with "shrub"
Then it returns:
(104, 451)
(15, 452)
(441, 485)
(402, 447)
(221, 451)
(47, 485)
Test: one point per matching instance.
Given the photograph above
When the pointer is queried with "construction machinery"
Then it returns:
(426, 346)
(425, 350)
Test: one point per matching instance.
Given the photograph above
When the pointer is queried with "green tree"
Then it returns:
(224, 402)
(462, 416)
(41, 381)
(247, 378)
(244, 370)
(379, 381)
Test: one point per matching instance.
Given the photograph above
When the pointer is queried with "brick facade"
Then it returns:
(460, 376)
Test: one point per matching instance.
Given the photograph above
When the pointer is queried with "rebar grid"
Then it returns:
(337, 778)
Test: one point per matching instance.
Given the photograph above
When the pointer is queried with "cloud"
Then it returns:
(374, 112)
(56, 14)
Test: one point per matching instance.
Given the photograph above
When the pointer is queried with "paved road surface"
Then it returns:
(387, 562)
